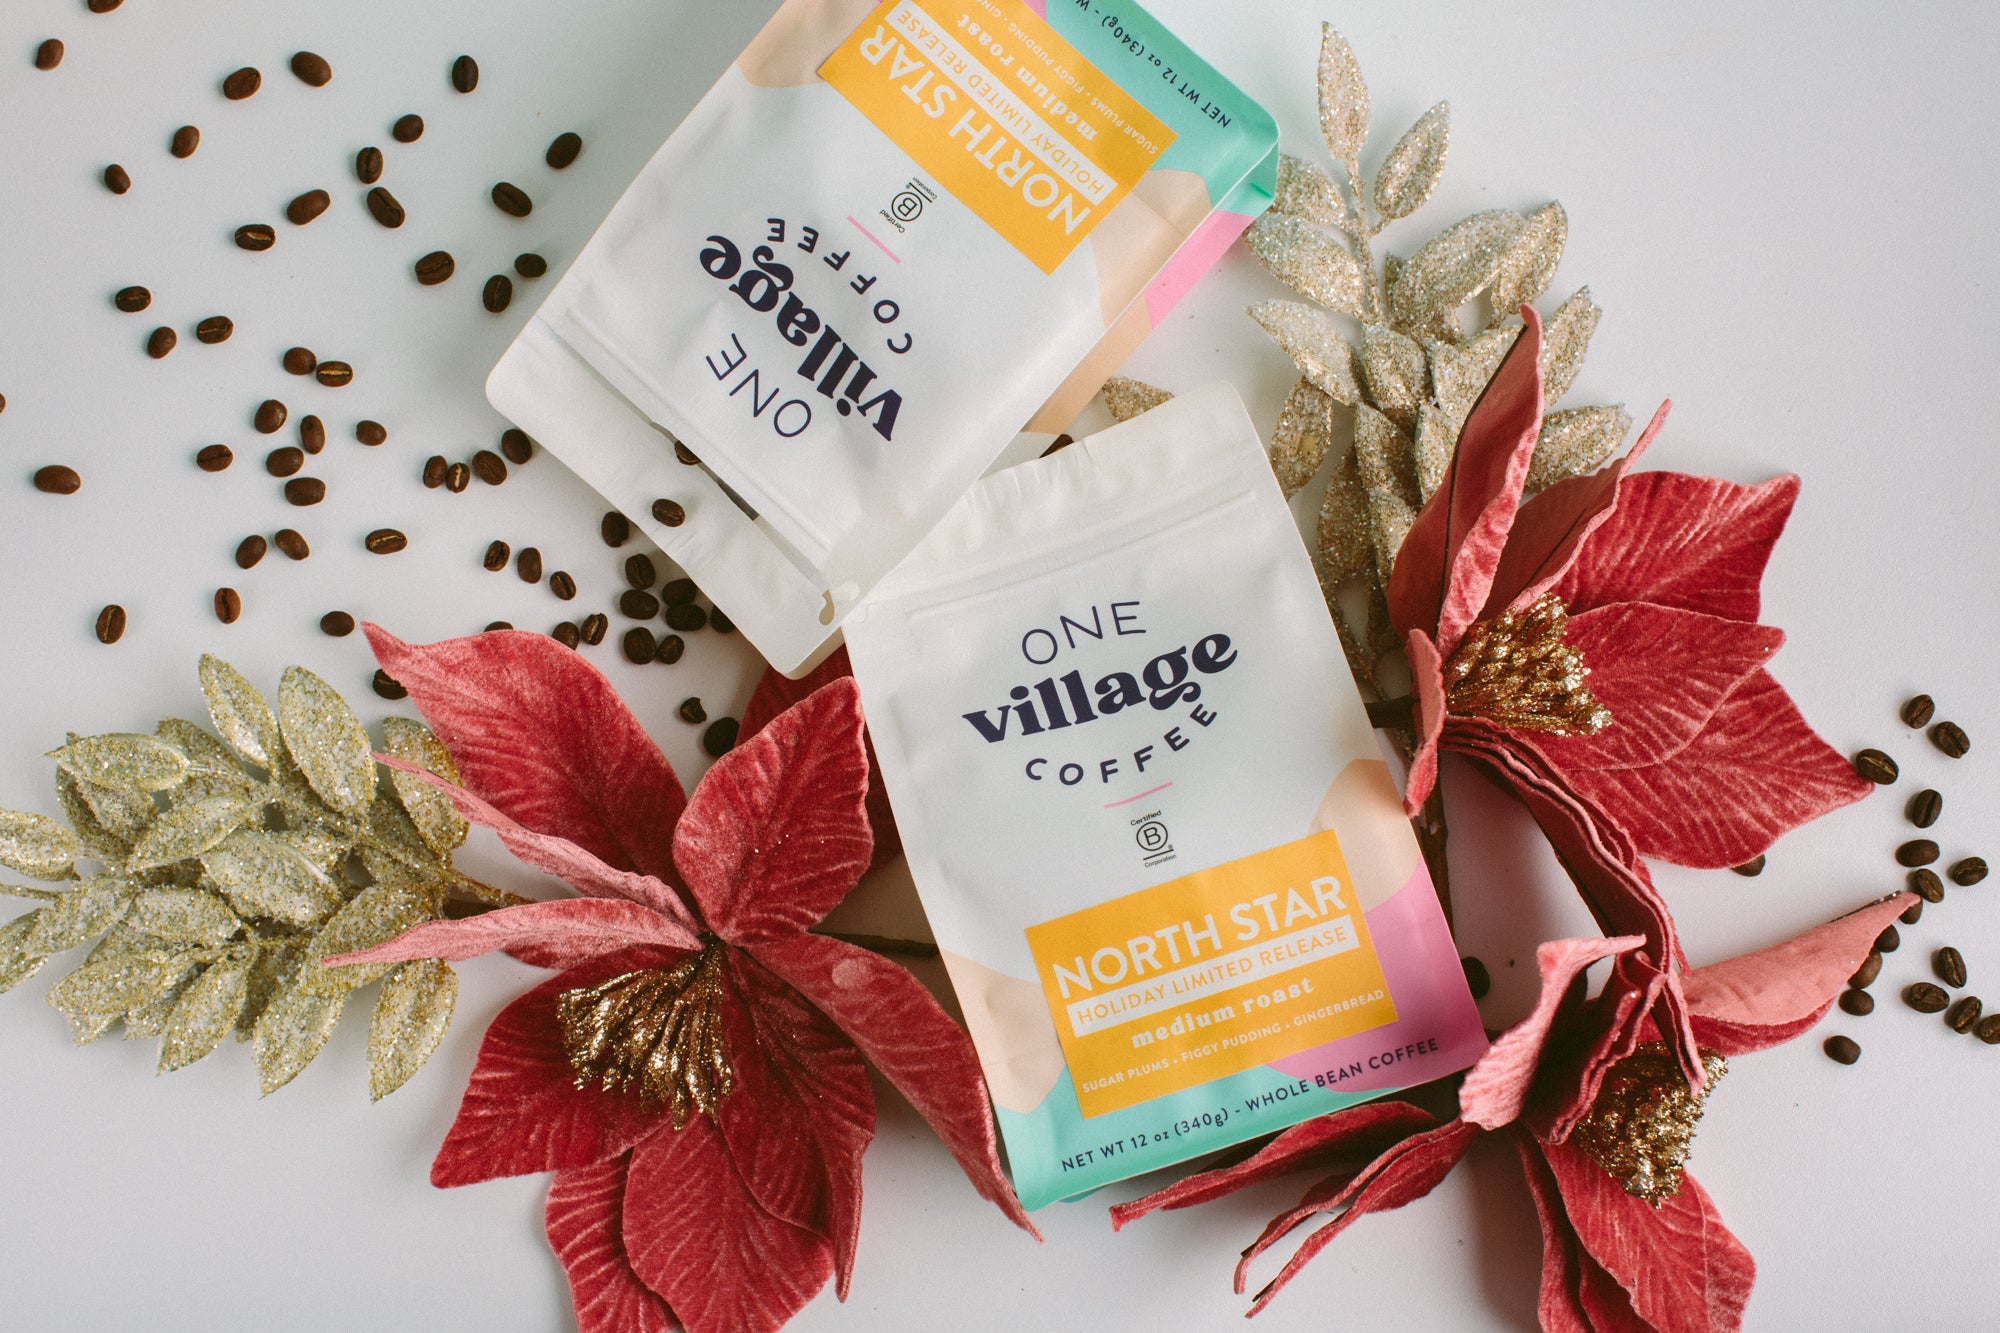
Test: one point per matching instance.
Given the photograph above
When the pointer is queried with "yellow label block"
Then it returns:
(1210, 974)
(1008, 117)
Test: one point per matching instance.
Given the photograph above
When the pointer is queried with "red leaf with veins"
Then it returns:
(583, 1220)
(775, 834)
(579, 927)
(1496, 1089)
(1679, 540)
(541, 735)
(1559, 1306)
(776, 692)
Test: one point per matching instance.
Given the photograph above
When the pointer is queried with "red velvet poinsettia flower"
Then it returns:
(694, 1076)
(1630, 1242)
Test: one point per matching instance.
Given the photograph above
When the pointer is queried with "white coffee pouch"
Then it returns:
(1143, 806)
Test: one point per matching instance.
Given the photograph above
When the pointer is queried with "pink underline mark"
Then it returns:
(871, 236)
(1113, 805)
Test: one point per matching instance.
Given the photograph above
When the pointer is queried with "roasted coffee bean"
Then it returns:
(1925, 998)
(1950, 738)
(214, 457)
(492, 625)
(104, 6)
(1964, 1015)
(465, 74)
(679, 592)
(498, 294)
(1876, 766)
(385, 541)
(186, 139)
(496, 556)
(161, 341)
(721, 623)
(269, 417)
(639, 646)
(671, 648)
(49, 54)
(371, 433)
(669, 512)
(1917, 852)
(1912, 914)
(1927, 886)
(312, 70)
(457, 477)
(489, 467)
(1477, 979)
(512, 200)
(530, 265)
(691, 711)
(1969, 871)
(639, 571)
(285, 462)
(1751, 868)
(1925, 807)
(517, 445)
(1917, 711)
(685, 454)
(1949, 965)
(299, 361)
(1888, 941)
(250, 550)
(615, 528)
(528, 565)
(57, 479)
(407, 129)
(1864, 976)
(562, 585)
(304, 491)
(256, 236)
(388, 686)
(132, 299)
(435, 267)
(117, 179)
(111, 624)
(307, 207)
(1857, 1002)
(594, 627)
(368, 165)
(434, 469)
(292, 542)
(720, 738)
(1844, 1050)
(228, 605)
(339, 624)
(1988, 1029)
(334, 374)
(563, 149)
(686, 617)
(567, 634)
(312, 433)
(215, 329)
(638, 604)
(243, 83)
(383, 207)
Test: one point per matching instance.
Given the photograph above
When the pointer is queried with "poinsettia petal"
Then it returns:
(695, 1235)
(1559, 1305)
(542, 735)
(1627, 1011)
(1697, 543)
(1352, 1137)
(776, 692)
(775, 834)
(1662, 672)
(522, 1111)
(1757, 770)
(1445, 568)
(904, 1032)
(1496, 1088)
(1759, 999)
(583, 1220)
(1683, 1270)
(580, 927)
(1427, 687)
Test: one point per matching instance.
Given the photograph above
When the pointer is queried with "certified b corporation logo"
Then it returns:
(1155, 844)
(907, 204)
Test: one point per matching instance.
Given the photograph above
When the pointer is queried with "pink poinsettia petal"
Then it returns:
(776, 692)
(1445, 568)
(1756, 771)
(1630, 1009)
(1662, 672)
(1496, 1089)
(1559, 1304)
(1678, 540)
(1759, 999)
(577, 927)
(775, 835)
(696, 1235)
(902, 1031)
(522, 1111)
(540, 734)
(583, 1220)
(1427, 684)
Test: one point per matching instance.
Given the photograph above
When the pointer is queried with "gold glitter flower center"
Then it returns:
(1515, 670)
(659, 1030)
(1643, 1121)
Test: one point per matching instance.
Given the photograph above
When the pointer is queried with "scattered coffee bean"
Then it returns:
(685, 454)
(339, 624)
(435, 267)
(104, 6)
(132, 299)
(299, 360)
(312, 433)
(292, 542)
(1988, 1030)
(434, 469)
(1844, 1050)
(639, 645)
(1950, 738)
(512, 200)
(639, 571)
(1949, 965)
(1857, 1002)
(334, 374)
(1751, 868)
(312, 70)
(721, 623)
(1876, 766)
(1864, 976)
(407, 129)
(489, 467)
(383, 207)
(1925, 998)
(562, 585)
(516, 444)
(111, 624)
(594, 627)
(250, 550)
(1925, 807)
(465, 74)
(215, 329)
(671, 648)
(371, 433)
(49, 54)
(498, 294)
(228, 605)
(307, 207)
(269, 417)
(528, 565)
(497, 553)
(1917, 711)
(368, 165)
(638, 604)
(388, 686)
(161, 341)
(679, 592)
(1917, 852)
(720, 738)
(1927, 886)
(304, 491)
(57, 479)
(285, 462)
(615, 528)
(1964, 1015)
(457, 477)
(563, 149)
(669, 512)
(256, 236)
(691, 711)
(1888, 941)
(686, 617)
(1477, 979)
(243, 83)
(385, 541)
(567, 634)
(186, 139)
(530, 265)
(1967, 872)
(493, 625)
(1912, 914)
(213, 457)
(117, 179)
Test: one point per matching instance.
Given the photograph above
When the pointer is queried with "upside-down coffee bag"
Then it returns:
(887, 236)
(1144, 809)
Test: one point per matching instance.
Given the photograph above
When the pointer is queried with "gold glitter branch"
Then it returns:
(660, 1031)
(1641, 1126)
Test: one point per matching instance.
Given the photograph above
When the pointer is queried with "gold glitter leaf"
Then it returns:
(190, 829)
(37, 846)
(205, 1013)
(1531, 262)
(327, 851)
(1437, 436)
(1574, 442)
(272, 971)
(1411, 171)
(17, 961)
(97, 994)
(262, 876)
(186, 916)
(1128, 398)
(411, 1017)
(1384, 455)
(1345, 544)
(1389, 520)
(150, 1019)
(1459, 374)
(239, 712)
(1304, 191)
(292, 1031)
(123, 813)
(437, 820)
(377, 914)
(1642, 1125)
(207, 757)
(1396, 371)
(1305, 431)
(327, 741)
(1453, 267)
(100, 841)
(82, 914)
(1312, 338)
(1565, 338)
(1343, 99)
(1310, 262)
(123, 760)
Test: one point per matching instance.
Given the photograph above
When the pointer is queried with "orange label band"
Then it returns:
(1210, 974)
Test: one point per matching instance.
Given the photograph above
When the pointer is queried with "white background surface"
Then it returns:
(1785, 211)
